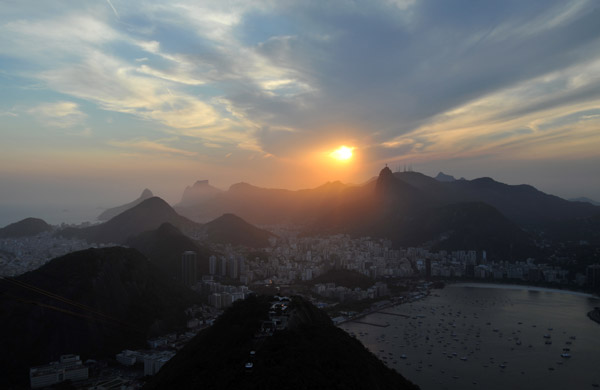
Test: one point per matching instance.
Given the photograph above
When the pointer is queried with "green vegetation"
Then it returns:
(345, 278)
(310, 354)
(94, 303)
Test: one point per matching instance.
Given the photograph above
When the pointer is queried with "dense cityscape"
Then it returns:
(291, 265)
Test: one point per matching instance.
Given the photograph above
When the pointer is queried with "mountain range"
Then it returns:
(586, 200)
(153, 221)
(414, 209)
(410, 208)
(147, 215)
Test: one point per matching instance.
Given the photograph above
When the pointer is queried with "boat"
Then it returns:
(565, 355)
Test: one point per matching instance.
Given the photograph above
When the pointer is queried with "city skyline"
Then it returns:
(103, 99)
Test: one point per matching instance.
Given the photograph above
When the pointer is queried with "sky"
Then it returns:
(101, 99)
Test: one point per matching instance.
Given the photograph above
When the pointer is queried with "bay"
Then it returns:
(478, 336)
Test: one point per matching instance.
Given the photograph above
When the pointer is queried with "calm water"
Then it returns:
(470, 337)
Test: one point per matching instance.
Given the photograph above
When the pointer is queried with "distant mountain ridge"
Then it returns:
(113, 212)
(147, 215)
(201, 191)
(585, 200)
(405, 202)
(25, 228)
(441, 176)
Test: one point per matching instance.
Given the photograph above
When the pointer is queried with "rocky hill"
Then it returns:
(310, 353)
(93, 303)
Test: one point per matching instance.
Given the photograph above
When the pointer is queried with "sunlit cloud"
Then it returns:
(150, 146)
(59, 114)
(425, 81)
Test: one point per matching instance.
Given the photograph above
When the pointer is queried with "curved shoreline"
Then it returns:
(521, 287)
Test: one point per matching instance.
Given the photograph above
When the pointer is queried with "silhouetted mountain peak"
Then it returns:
(484, 180)
(25, 227)
(385, 172)
(229, 218)
(114, 211)
(444, 178)
(197, 194)
(231, 229)
(201, 183)
(389, 185)
(155, 203)
(168, 229)
(148, 215)
(146, 194)
(240, 187)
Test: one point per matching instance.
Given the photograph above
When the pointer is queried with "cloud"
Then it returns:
(397, 77)
(115, 86)
(59, 114)
(151, 146)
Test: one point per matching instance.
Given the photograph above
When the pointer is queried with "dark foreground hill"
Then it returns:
(93, 303)
(24, 228)
(114, 211)
(164, 247)
(310, 354)
(148, 215)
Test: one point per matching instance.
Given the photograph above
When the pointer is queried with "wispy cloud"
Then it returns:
(59, 114)
(428, 79)
(150, 146)
(113, 8)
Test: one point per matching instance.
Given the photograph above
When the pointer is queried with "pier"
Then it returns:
(393, 314)
(371, 323)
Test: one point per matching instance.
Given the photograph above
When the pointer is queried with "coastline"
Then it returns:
(392, 303)
(520, 287)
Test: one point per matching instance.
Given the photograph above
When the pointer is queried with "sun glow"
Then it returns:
(343, 153)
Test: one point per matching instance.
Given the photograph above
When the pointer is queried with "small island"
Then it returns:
(595, 315)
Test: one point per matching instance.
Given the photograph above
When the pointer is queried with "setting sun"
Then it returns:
(342, 153)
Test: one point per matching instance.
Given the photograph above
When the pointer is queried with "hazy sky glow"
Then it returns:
(100, 99)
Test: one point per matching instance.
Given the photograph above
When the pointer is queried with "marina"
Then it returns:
(488, 338)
